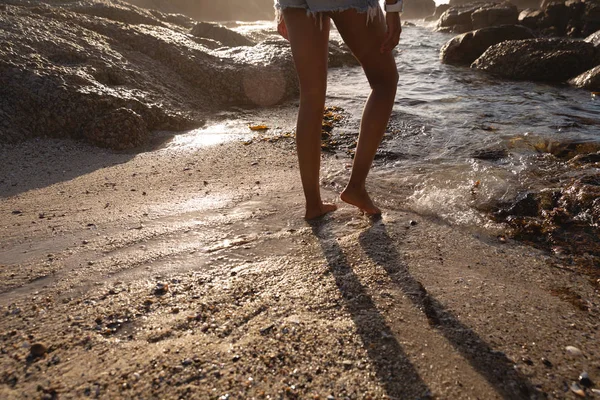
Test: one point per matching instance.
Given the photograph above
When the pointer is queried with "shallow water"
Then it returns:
(446, 115)
(460, 141)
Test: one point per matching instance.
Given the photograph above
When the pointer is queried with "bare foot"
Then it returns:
(360, 198)
(315, 213)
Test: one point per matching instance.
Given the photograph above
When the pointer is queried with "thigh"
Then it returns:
(309, 39)
(364, 35)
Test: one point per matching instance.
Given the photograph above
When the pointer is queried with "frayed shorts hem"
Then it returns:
(371, 8)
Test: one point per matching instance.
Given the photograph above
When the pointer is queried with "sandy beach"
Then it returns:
(187, 271)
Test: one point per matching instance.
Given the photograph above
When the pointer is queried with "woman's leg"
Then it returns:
(309, 41)
(364, 40)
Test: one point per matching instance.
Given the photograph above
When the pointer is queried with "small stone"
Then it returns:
(585, 380)
(236, 358)
(413, 222)
(546, 362)
(161, 288)
(17, 212)
(90, 263)
(38, 350)
(575, 388)
(175, 310)
(573, 351)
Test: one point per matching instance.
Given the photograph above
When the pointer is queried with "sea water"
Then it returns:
(463, 140)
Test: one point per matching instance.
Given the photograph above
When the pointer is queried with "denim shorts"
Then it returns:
(313, 7)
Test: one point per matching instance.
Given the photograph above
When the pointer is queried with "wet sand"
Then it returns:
(188, 272)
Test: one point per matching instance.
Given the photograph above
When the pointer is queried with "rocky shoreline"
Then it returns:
(110, 72)
(556, 43)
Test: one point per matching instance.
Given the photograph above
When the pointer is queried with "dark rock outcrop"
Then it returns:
(588, 80)
(551, 60)
(500, 14)
(464, 18)
(466, 48)
(110, 72)
(418, 9)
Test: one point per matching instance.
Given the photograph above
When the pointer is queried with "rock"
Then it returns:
(111, 73)
(119, 129)
(589, 80)
(219, 33)
(418, 9)
(457, 19)
(584, 379)
(38, 350)
(439, 10)
(594, 39)
(531, 18)
(210, 10)
(500, 14)
(161, 288)
(466, 48)
(573, 351)
(575, 388)
(552, 60)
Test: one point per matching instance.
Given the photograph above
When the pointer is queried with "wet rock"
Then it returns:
(594, 39)
(589, 80)
(38, 350)
(553, 60)
(466, 48)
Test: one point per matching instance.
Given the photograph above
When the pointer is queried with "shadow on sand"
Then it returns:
(399, 377)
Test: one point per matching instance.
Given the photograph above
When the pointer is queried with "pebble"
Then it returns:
(585, 380)
(38, 350)
(413, 222)
(161, 288)
(546, 362)
(575, 388)
(573, 351)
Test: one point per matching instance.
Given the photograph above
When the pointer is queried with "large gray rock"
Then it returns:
(552, 60)
(466, 48)
(76, 69)
(418, 9)
(499, 14)
(588, 80)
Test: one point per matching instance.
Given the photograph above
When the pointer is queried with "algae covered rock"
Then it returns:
(551, 60)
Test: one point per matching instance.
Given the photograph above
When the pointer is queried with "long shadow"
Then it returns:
(393, 368)
(493, 365)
